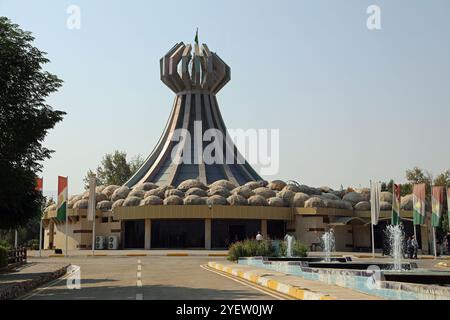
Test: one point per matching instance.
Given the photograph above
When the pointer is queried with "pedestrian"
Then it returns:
(409, 249)
(415, 246)
(259, 237)
(448, 242)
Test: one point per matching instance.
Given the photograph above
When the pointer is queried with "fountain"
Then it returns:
(395, 236)
(289, 240)
(328, 242)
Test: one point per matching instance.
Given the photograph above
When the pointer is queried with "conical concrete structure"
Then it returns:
(195, 75)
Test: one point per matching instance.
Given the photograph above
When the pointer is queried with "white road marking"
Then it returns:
(139, 296)
(243, 283)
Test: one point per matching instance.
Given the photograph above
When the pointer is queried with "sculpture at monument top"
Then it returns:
(187, 68)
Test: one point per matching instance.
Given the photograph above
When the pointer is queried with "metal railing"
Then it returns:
(17, 256)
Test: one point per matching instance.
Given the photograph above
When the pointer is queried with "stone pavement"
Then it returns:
(293, 286)
(17, 282)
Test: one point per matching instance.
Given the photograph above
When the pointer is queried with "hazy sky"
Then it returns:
(351, 104)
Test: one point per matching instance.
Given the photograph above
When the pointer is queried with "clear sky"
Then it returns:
(351, 104)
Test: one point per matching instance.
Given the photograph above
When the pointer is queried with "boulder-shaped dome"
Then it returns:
(146, 186)
(219, 191)
(363, 206)
(81, 204)
(257, 201)
(137, 193)
(305, 189)
(120, 193)
(155, 192)
(109, 190)
(191, 183)
(151, 201)
(275, 202)
(407, 202)
(224, 184)
(105, 205)
(173, 200)
(100, 197)
(325, 189)
(197, 192)
(99, 189)
(385, 206)
(329, 196)
(237, 200)
(264, 192)
(256, 184)
(386, 197)
(192, 200)
(299, 200)
(174, 192)
(314, 202)
(118, 203)
(131, 202)
(354, 197)
(340, 193)
(216, 200)
(277, 185)
(292, 187)
(365, 192)
(337, 204)
(243, 191)
(287, 196)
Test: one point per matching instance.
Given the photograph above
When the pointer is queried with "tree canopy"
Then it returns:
(115, 169)
(25, 119)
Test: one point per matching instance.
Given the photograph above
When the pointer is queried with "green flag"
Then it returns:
(437, 202)
(196, 37)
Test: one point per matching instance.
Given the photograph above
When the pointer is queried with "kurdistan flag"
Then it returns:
(437, 201)
(62, 199)
(396, 205)
(419, 204)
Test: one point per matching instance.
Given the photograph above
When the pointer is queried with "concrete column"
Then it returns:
(208, 234)
(264, 228)
(51, 235)
(148, 234)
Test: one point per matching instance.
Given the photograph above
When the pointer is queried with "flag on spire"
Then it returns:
(196, 37)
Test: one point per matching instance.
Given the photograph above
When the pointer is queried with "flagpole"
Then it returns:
(67, 220)
(93, 236)
(371, 222)
(40, 238)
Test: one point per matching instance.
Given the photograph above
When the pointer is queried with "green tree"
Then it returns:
(115, 169)
(442, 179)
(25, 119)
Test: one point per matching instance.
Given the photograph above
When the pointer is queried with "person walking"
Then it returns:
(409, 248)
(259, 237)
(415, 246)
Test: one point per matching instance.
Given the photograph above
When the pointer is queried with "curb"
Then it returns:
(287, 289)
(13, 291)
(136, 254)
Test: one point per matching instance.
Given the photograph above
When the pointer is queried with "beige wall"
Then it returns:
(80, 231)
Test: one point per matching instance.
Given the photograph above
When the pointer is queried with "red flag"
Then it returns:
(39, 184)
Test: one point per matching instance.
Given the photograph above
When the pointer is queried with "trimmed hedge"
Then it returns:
(253, 248)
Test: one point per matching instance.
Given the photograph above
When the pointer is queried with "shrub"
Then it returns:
(5, 244)
(250, 248)
(3, 257)
(299, 249)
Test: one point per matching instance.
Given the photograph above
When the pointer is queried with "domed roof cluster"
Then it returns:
(223, 192)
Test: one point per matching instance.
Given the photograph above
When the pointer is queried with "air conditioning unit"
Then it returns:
(113, 242)
(99, 242)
